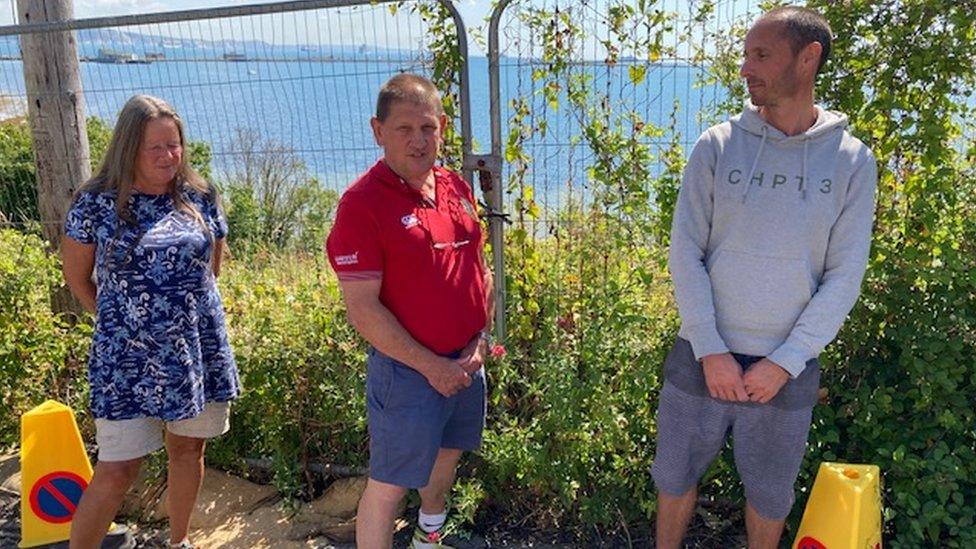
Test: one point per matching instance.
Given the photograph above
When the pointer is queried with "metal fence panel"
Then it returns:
(294, 79)
(654, 68)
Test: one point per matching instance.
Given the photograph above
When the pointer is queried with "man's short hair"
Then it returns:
(408, 87)
(802, 26)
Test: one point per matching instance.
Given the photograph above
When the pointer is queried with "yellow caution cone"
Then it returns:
(54, 471)
(844, 509)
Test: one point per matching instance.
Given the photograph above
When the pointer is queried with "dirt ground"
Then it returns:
(237, 514)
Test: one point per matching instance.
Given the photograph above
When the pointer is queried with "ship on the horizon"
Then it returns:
(107, 55)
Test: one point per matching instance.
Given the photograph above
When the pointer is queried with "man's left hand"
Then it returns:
(473, 356)
(764, 379)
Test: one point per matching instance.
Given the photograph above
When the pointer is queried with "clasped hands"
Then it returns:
(725, 381)
(450, 376)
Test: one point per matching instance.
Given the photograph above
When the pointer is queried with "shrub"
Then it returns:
(302, 367)
(272, 200)
(42, 355)
(18, 196)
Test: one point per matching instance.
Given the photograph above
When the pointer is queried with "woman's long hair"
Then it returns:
(117, 170)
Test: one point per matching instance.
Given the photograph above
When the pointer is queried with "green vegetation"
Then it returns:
(571, 412)
(42, 355)
(18, 199)
(272, 200)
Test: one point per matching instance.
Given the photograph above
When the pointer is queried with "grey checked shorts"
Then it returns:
(769, 440)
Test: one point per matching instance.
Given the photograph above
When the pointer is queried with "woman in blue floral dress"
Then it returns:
(161, 370)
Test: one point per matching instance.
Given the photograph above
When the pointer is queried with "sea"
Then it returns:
(314, 104)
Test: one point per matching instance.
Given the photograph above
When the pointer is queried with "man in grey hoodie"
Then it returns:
(769, 244)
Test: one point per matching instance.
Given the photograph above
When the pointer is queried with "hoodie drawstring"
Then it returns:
(755, 162)
(806, 182)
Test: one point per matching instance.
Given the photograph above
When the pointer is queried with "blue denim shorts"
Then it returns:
(409, 421)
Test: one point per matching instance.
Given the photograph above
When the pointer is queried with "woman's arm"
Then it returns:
(78, 261)
(218, 254)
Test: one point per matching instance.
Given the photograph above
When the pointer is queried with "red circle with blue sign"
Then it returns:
(55, 496)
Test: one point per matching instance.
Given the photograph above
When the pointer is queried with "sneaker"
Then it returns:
(428, 540)
(181, 545)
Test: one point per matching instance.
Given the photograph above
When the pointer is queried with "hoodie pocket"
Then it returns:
(759, 291)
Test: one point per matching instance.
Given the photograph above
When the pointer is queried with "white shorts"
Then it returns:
(125, 439)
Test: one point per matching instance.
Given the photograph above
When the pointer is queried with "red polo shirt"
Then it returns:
(427, 255)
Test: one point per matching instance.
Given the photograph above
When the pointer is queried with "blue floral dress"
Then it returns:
(160, 345)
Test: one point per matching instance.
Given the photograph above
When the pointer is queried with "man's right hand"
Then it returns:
(723, 376)
(447, 377)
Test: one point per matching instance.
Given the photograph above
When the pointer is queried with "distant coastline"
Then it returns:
(503, 59)
(12, 107)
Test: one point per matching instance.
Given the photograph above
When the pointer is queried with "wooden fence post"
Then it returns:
(56, 111)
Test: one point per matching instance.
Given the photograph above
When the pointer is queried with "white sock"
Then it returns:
(431, 523)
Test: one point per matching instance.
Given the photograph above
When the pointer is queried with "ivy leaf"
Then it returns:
(637, 73)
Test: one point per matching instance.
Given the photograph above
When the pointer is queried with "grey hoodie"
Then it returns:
(771, 236)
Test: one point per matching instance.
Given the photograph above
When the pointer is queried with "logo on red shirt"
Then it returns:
(351, 259)
(409, 221)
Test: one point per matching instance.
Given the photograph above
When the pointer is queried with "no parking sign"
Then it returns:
(55, 496)
(54, 473)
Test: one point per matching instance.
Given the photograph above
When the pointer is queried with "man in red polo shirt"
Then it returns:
(407, 248)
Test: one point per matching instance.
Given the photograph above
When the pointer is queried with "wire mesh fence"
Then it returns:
(653, 72)
(601, 100)
(297, 87)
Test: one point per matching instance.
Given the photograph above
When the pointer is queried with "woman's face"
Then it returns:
(160, 154)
